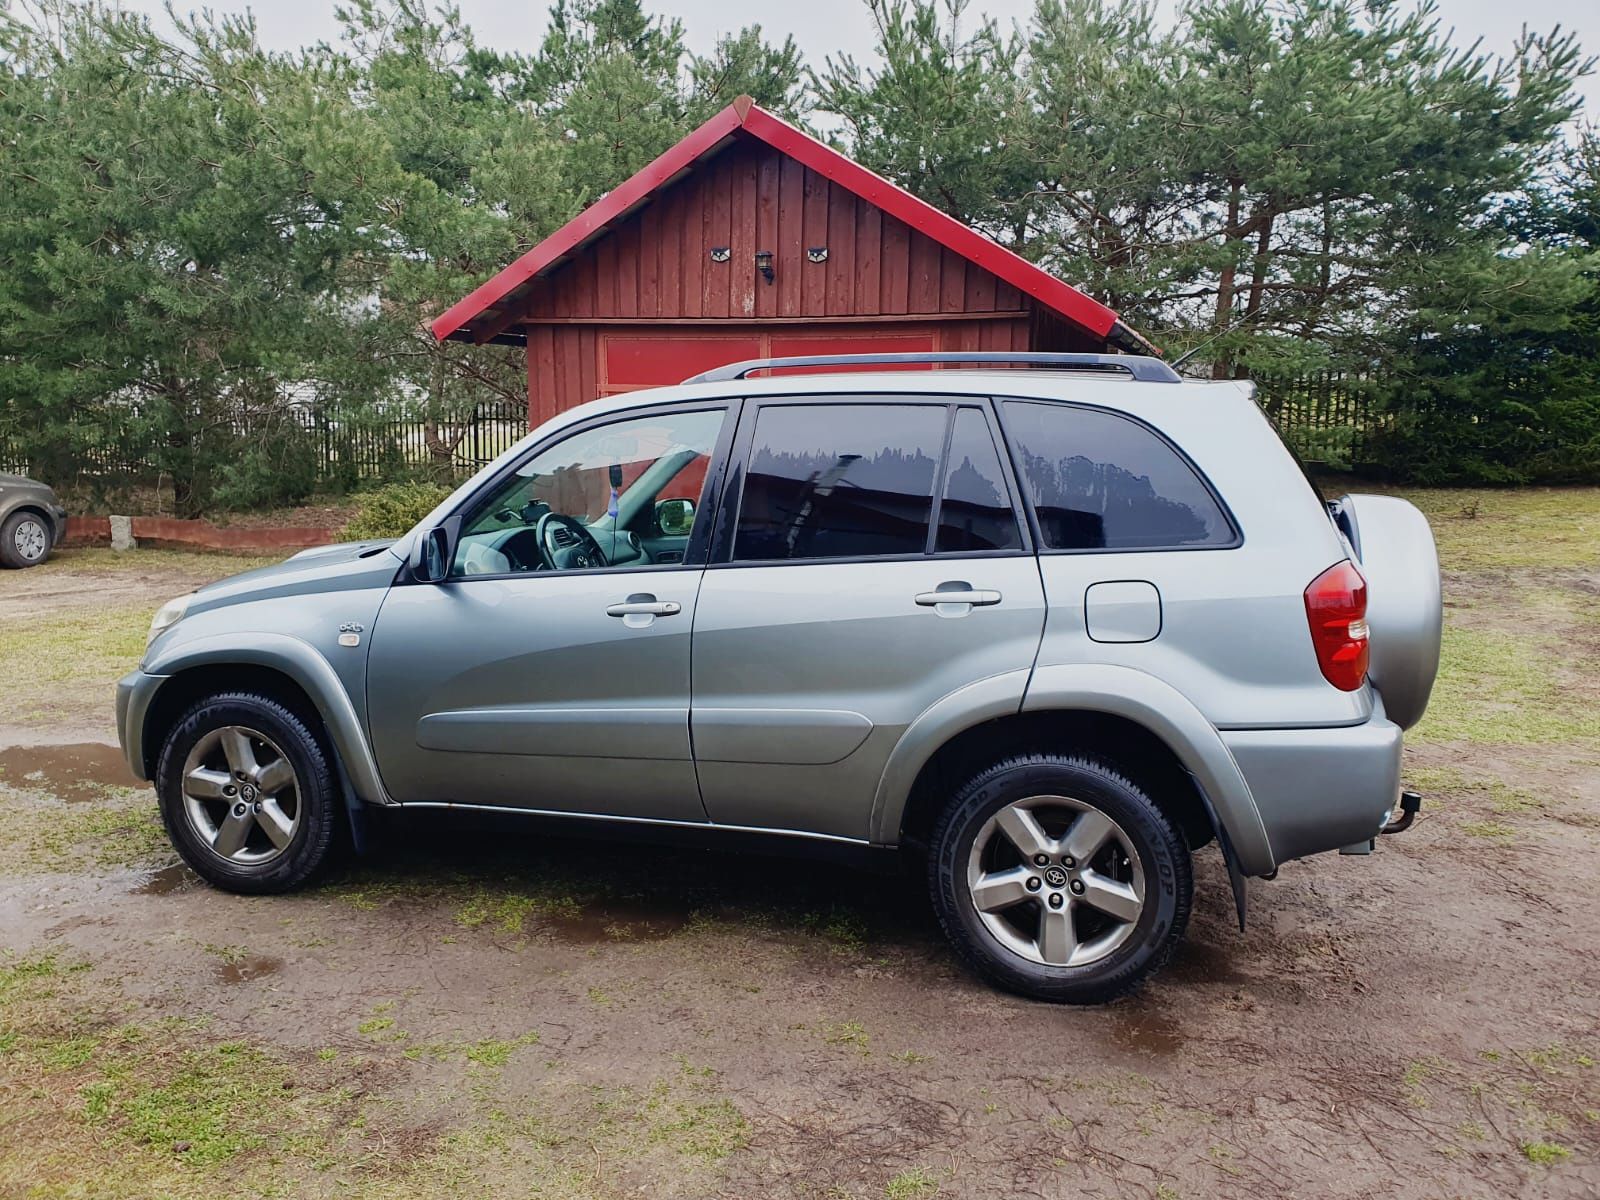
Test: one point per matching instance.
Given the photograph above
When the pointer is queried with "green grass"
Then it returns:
(846, 1033)
(911, 1184)
(493, 1052)
(1544, 1154)
(102, 558)
(90, 644)
(1482, 528)
(1498, 686)
(507, 912)
(121, 829)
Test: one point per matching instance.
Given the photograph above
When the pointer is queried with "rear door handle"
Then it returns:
(958, 593)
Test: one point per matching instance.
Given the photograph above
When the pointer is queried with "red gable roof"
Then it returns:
(483, 315)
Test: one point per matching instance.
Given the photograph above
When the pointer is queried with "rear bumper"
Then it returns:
(58, 522)
(1320, 789)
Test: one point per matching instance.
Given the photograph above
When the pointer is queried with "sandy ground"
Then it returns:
(490, 1012)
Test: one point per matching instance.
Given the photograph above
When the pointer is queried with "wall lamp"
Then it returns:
(764, 264)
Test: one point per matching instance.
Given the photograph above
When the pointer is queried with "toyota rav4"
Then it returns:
(1049, 630)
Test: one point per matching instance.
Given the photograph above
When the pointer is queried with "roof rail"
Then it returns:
(1137, 366)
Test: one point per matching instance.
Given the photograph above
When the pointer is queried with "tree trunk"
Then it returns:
(1222, 366)
(1258, 275)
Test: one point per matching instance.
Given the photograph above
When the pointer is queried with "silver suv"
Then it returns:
(1050, 630)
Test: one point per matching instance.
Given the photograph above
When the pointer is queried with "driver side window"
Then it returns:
(621, 495)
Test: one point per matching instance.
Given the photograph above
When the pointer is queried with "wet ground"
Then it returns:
(485, 1010)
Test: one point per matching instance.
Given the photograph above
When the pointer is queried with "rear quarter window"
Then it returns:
(1099, 481)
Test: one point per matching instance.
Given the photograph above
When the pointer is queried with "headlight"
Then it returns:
(168, 615)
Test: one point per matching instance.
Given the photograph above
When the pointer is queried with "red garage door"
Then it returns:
(632, 361)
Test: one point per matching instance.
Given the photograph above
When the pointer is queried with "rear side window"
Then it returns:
(1099, 481)
(976, 512)
(839, 481)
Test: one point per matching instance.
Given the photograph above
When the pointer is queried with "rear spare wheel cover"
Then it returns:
(1397, 555)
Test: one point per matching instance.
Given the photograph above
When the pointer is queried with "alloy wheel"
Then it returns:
(30, 540)
(1056, 881)
(241, 795)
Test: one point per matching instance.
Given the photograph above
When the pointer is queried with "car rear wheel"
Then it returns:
(1059, 878)
(247, 795)
(25, 540)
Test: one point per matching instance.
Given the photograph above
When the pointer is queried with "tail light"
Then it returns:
(1336, 607)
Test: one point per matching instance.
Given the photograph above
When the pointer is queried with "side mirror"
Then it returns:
(434, 551)
(675, 518)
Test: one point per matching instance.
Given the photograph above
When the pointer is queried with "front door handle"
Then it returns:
(644, 605)
(957, 593)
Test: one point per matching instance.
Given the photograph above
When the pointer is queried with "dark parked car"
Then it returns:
(32, 523)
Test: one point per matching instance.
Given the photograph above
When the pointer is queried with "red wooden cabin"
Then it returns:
(750, 238)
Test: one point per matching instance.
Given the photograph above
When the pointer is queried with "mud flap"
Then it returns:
(1235, 876)
(355, 809)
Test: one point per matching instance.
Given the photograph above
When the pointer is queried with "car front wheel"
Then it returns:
(247, 794)
(25, 540)
(1059, 878)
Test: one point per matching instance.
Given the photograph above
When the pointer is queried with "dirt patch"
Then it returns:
(75, 772)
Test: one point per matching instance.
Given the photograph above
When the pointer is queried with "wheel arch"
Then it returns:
(1170, 744)
(283, 668)
(34, 508)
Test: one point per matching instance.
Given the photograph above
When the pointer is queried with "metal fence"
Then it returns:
(1331, 418)
(117, 446)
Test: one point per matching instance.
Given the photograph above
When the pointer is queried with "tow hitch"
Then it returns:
(1410, 805)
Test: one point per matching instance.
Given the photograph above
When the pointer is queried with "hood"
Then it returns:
(8, 480)
(341, 567)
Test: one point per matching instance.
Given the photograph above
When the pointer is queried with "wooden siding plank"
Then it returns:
(588, 364)
(605, 261)
(980, 286)
(791, 235)
(952, 281)
(841, 243)
(869, 249)
(896, 266)
(569, 367)
(542, 400)
(923, 294)
(627, 239)
(692, 248)
(768, 171)
(718, 277)
(649, 226)
(745, 280)
(814, 279)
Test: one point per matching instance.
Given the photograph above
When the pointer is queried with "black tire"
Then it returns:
(1162, 853)
(13, 557)
(321, 820)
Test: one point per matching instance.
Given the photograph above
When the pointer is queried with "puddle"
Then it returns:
(1198, 962)
(76, 772)
(599, 923)
(176, 878)
(1145, 1032)
(257, 966)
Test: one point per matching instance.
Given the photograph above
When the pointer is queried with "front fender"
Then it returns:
(291, 656)
(1172, 717)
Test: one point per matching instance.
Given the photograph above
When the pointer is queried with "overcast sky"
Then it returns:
(824, 27)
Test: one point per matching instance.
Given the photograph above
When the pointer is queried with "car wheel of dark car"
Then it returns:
(248, 795)
(25, 540)
(1058, 878)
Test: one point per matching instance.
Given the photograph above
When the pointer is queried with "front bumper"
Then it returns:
(1321, 789)
(58, 523)
(135, 690)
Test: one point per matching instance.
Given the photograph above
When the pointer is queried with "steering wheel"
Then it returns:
(578, 553)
